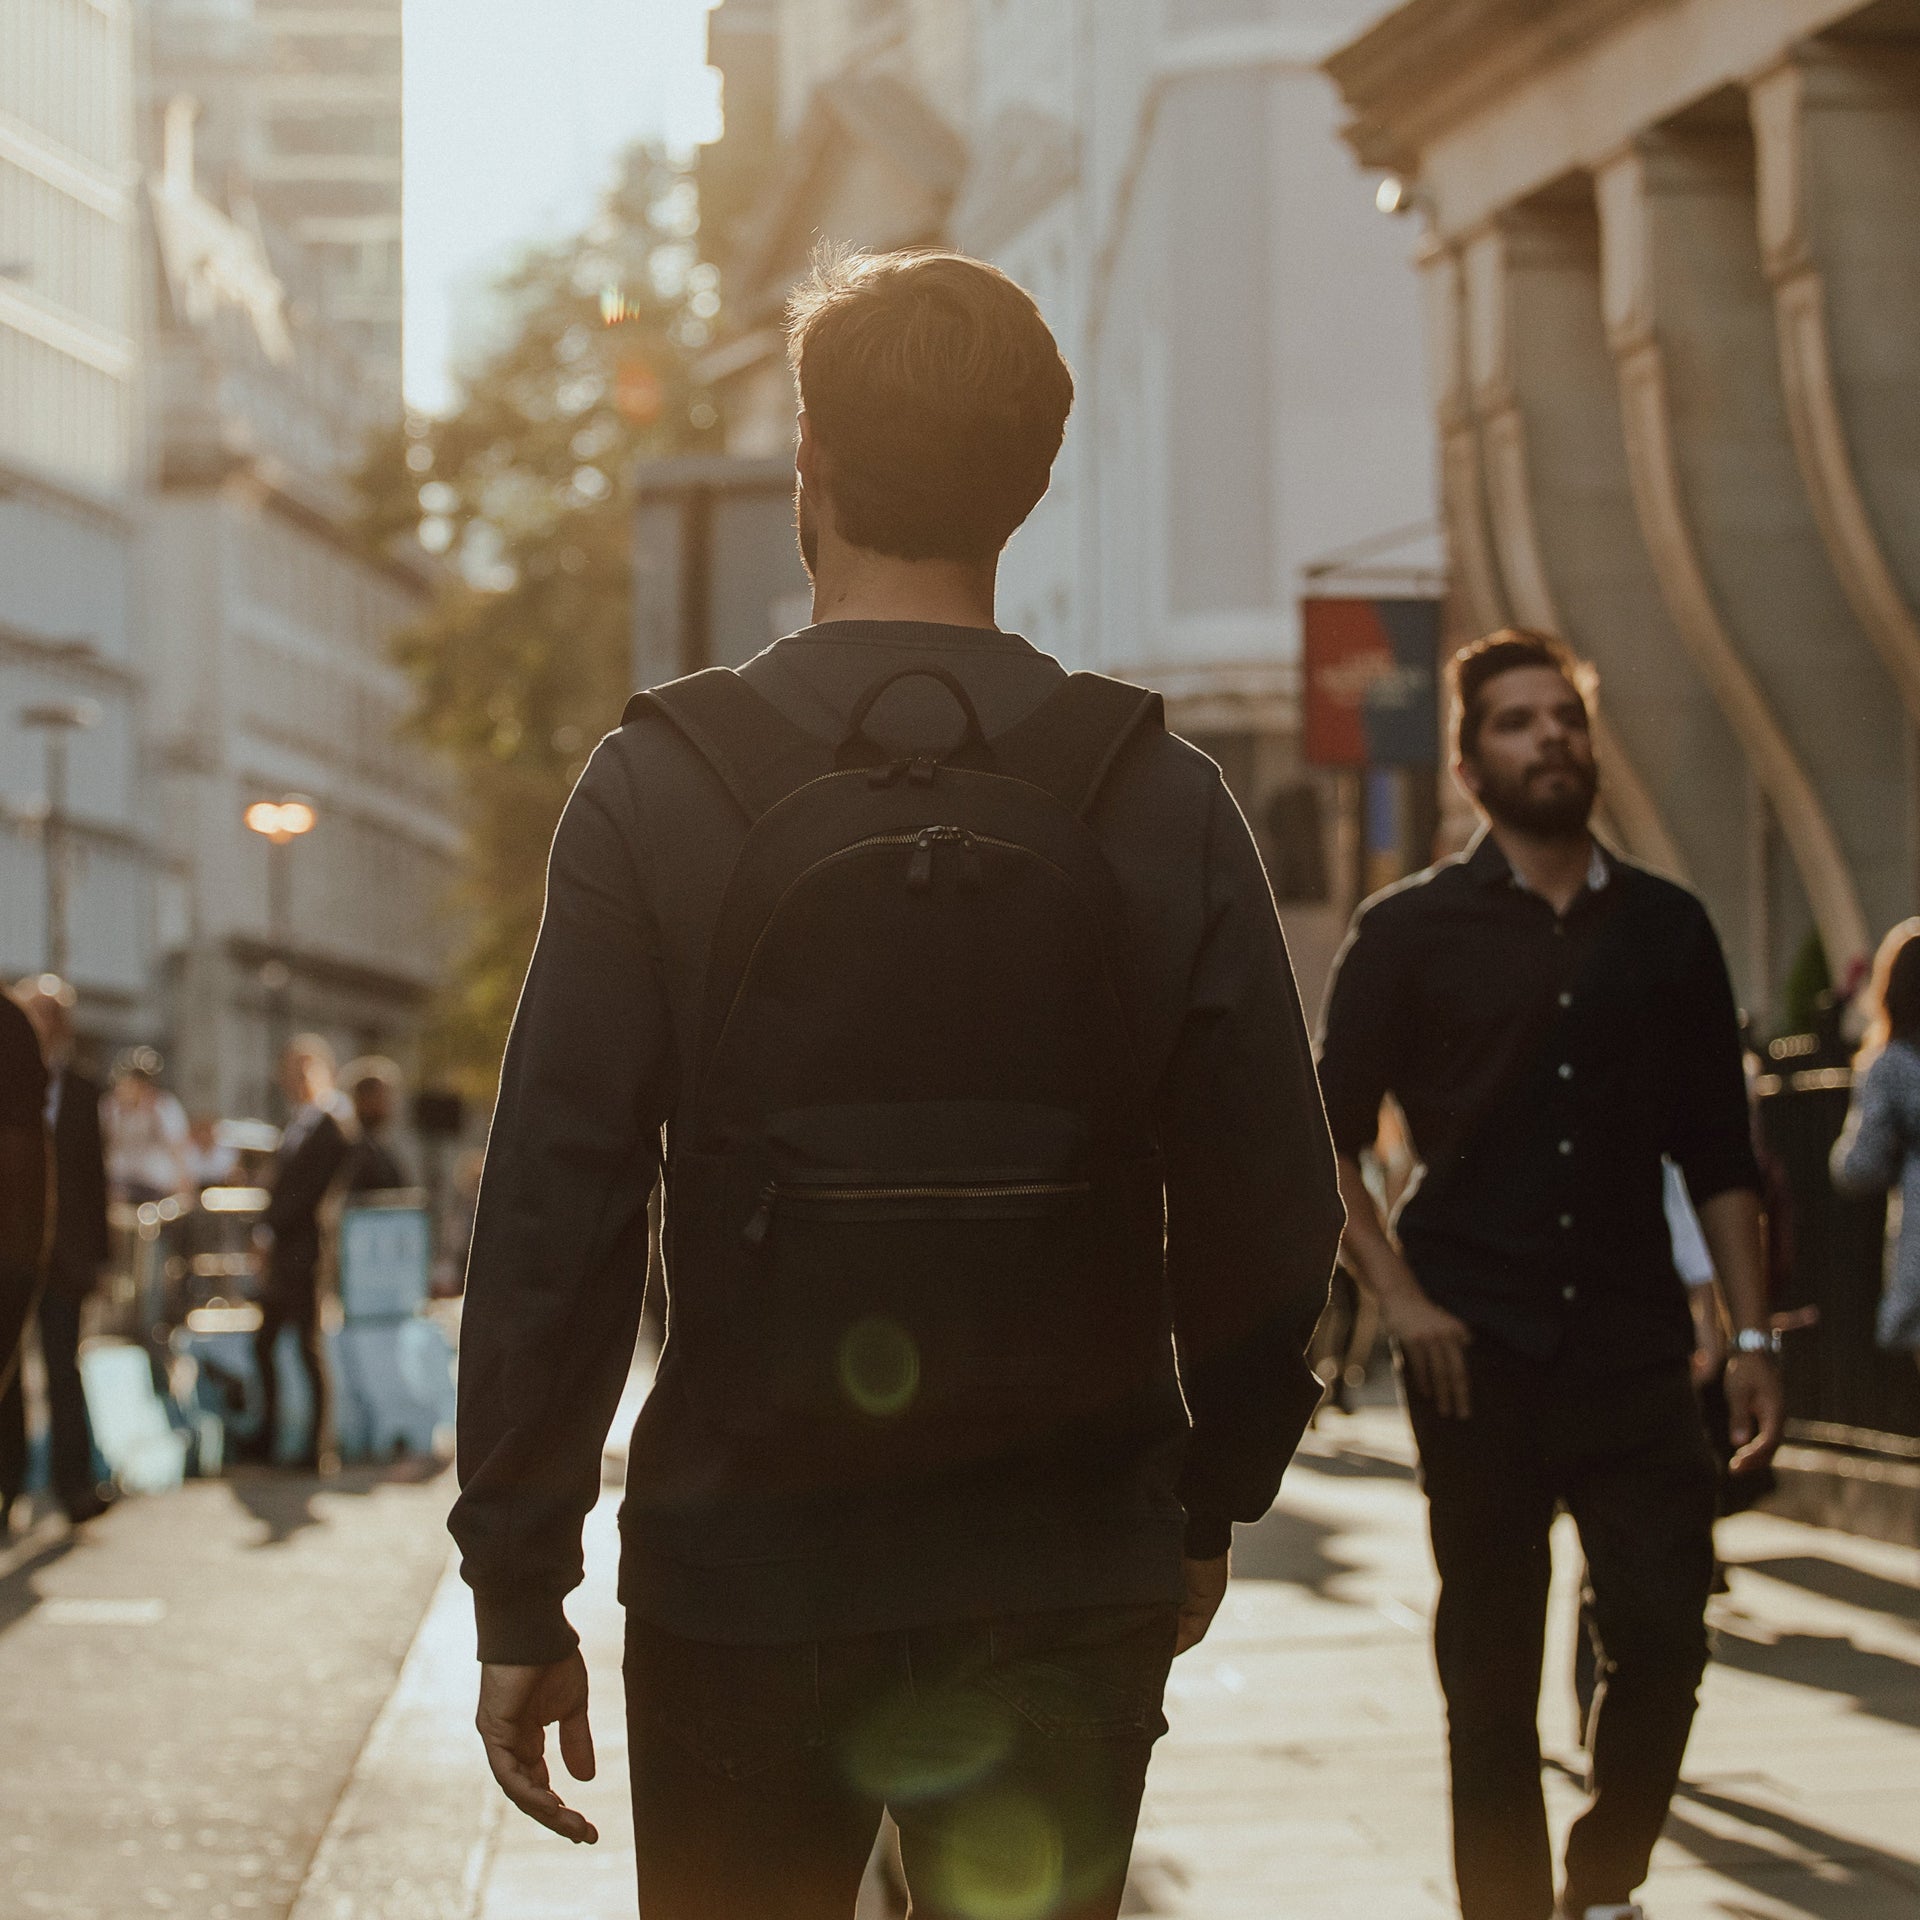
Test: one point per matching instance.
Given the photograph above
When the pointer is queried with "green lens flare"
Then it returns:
(1002, 1859)
(879, 1368)
(921, 1748)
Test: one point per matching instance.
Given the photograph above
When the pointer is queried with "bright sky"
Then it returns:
(515, 110)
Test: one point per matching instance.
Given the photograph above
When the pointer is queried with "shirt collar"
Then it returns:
(1491, 867)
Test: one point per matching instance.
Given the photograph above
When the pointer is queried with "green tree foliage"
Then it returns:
(522, 663)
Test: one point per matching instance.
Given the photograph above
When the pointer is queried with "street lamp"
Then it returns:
(279, 823)
(54, 720)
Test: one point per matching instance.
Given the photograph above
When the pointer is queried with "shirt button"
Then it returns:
(1566, 999)
(1566, 1220)
(1567, 1293)
(1566, 1146)
(1566, 1070)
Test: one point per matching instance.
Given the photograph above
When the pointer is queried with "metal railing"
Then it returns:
(1841, 1387)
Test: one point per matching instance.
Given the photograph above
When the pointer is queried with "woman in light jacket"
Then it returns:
(1879, 1151)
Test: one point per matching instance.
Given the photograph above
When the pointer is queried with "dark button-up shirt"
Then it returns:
(1546, 1064)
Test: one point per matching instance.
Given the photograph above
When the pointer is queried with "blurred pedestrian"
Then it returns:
(1553, 1021)
(1879, 1149)
(77, 1253)
(210, 1160)
(24, 1183)
(373, 1087)
(146, 1132)
(312, 1150)
(1010, 1135)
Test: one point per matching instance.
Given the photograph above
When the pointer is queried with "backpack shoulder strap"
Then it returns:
(759, 754)
(1072, 741)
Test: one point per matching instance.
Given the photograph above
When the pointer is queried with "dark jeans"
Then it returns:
(291, 1299)
(71, 1439)
(1011, 1754)
(1627, 1456)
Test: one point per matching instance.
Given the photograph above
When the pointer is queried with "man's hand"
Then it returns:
(516, 1706)
(1435, 1343)
(1206, 1588)
(1757, 1409)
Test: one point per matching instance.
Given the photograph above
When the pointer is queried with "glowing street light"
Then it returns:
(279, 823)
(281, 820)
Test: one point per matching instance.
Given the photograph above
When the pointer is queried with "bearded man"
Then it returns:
(1554, 1023)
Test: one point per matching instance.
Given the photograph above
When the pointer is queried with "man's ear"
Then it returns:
(806, 459)
(1466, 776)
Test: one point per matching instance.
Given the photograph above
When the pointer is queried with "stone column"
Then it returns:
(1741, 565)
(1837, 132)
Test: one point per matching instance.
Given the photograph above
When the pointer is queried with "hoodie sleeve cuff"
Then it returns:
(1208, 1536)
(522, 1629)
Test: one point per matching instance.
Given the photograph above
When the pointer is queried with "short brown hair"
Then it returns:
(937, 395)
(1475, 666)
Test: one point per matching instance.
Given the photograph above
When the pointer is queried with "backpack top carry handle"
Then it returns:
(860, 749)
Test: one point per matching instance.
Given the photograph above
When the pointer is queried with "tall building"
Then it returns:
(1672, 264)
(1168, 180)
(327, 169)
(301, 105)
(74, 890)
(268, 622)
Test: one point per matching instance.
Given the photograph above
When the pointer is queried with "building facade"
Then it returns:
(1168, 180)
(75, 889)
(1673, 258)
(267, 622)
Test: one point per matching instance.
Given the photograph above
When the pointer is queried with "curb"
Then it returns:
(413, 1832)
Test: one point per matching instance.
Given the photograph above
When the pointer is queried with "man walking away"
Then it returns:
(1552, 1021)
(951, 987)
(75, 1257)
(23, 1187)
(303, 1169)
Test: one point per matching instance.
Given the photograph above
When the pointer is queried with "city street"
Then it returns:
(253, 1698)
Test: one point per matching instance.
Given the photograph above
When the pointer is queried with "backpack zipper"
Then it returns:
(761, 1222)
(922, 840)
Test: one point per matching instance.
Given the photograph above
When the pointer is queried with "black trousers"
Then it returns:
(291, 1299)
(1627, 1456)
(1011, 1753)
(71, 1439)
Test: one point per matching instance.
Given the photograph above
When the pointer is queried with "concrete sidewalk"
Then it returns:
(1304, 1774)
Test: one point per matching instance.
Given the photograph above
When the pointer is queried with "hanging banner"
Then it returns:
(1371, 675)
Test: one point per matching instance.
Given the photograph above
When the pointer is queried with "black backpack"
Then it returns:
(915, 1153)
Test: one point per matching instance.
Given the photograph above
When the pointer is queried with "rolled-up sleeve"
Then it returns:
(1360, 1033)
(1253, 1206)
(559, 1254)
(1711, 1136)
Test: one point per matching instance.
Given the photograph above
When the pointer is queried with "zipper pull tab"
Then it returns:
(920, 771)
(969, 864)
(920, 867)
(761, 1222)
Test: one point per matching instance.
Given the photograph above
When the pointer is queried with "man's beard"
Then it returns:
(807, 520)
(1551, 815)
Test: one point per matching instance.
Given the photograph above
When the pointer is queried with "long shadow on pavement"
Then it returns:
(1839, 1879)
(1288, 1547)
(1353, 1466)
(17, 1595)
(282, 1500)
(1881, 1684)
(1835, 1580)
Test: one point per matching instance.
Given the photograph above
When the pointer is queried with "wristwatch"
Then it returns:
(1756, 1340)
